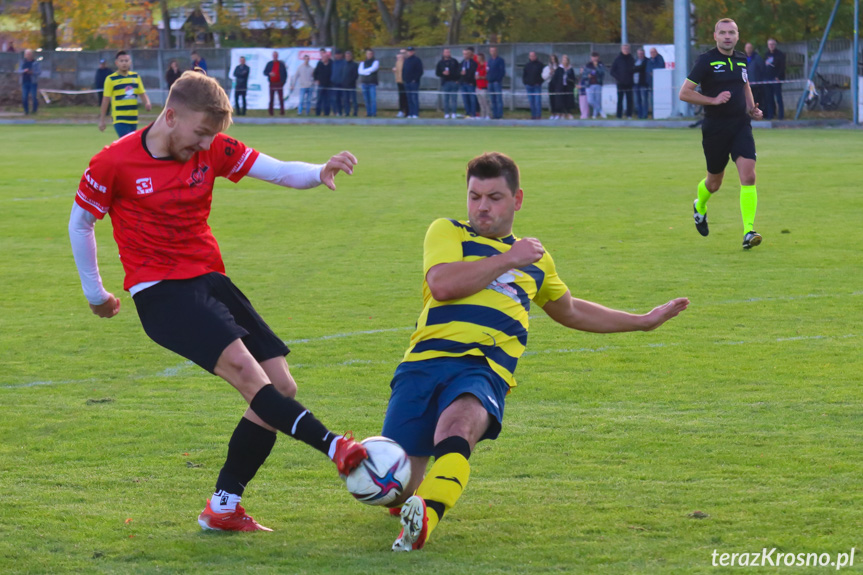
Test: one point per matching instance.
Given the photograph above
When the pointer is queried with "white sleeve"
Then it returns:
(373, 68)
(83, 238)
(299, 175)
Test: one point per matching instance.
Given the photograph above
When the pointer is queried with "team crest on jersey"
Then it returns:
(144, 186)
(502, 284)
(197, 176)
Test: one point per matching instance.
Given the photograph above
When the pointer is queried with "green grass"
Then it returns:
(746, 407)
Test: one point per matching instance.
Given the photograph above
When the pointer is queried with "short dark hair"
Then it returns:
(592, 54)
(120, 53)
(492, 165)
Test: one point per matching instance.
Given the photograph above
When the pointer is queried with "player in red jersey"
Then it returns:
(157, 186)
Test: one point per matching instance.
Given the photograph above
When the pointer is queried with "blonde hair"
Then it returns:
(200, 93)
(724, 21)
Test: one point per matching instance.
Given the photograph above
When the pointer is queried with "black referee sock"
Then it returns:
(249, 447)
(290, 417)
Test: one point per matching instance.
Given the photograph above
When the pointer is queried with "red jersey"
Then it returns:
(481, 81)
(159, 207)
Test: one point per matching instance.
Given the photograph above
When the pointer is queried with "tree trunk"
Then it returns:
(49, 25)
(166, 20)
(459, 7)
(321, 19)
(393, 21)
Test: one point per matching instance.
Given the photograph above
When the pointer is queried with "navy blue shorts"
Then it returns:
(199, 317)
(422, 390)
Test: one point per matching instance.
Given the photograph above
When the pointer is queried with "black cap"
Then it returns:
(410, 49)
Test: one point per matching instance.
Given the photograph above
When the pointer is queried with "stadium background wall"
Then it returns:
(76, 70)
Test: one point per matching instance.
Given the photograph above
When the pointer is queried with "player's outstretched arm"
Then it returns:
(588, 316)
(300, 175)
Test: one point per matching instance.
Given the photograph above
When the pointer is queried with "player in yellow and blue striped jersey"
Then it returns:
(479, 284)
(120, 93)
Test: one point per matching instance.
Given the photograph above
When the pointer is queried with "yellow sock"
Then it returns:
(446, 480)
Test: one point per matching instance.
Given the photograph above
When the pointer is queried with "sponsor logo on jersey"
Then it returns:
(197, 176)
(239, 165)
(745, 76)
(96, 186)
(144, 186)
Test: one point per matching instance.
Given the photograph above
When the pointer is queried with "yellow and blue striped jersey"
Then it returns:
(492, 323)
(123, 91)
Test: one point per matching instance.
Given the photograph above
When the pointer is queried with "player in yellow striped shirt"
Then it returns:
(479, 283)
(120, 93)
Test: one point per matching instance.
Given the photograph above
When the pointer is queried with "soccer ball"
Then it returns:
(381, 478)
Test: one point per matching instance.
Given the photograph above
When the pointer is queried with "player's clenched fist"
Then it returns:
(526, 251)
(722, 98)
(108, 308)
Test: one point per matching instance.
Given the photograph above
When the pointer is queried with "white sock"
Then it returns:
(332, 451)
(224, 502)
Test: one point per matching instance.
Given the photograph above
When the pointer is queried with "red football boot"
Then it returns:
(236, 520)
(349, 454)
(415, 524)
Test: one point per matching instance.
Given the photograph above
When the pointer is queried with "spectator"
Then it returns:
(532, 79)
(368, 72)
(622, 72)
(564, 78)
(496, 74)
(467, 83)
(400, 83)
(553, 89)
(102, 72)
(241, 75)
(774, 68)
(583, 83)
(448, 70)
(350, 84)
(655, 62)
(641, 84)
(482, 87)
(595, 73)
(11, 46)
(30, 68)
(304, 79)
(324, 80)
(337, 79)
(198, 62)
(412, 74)
(755, 71)
(277, 74)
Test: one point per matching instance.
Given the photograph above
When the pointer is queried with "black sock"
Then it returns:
(249, 447)
(290, 417)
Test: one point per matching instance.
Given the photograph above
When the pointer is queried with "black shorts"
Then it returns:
(199, 317)
(723, 137)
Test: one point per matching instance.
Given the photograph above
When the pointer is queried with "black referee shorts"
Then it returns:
(723, 137)
(199, 317)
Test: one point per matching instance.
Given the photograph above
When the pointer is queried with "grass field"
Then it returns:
(746, 408)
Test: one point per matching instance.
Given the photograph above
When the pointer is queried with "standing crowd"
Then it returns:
(329, 87)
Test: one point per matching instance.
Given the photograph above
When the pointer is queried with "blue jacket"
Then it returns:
(413, 69)
(657, 63)
(338, 76)
(496, 69)
(35, 69)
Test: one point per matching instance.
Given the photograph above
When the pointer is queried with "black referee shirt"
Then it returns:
(715, 73)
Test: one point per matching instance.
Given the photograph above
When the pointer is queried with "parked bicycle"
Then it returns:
(825, 95)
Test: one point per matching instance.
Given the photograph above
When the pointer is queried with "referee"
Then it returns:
(727, 130)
